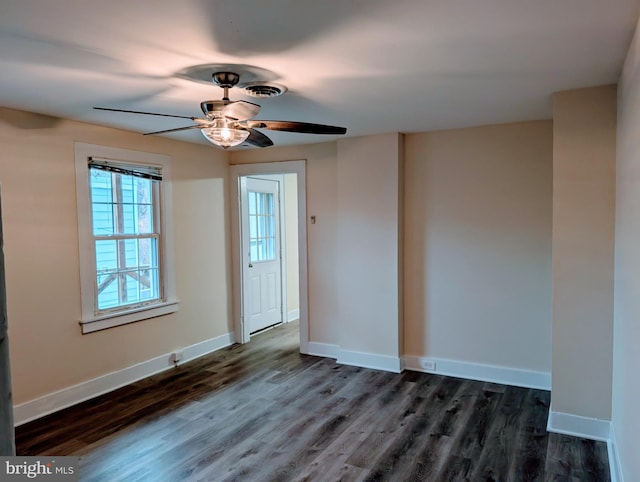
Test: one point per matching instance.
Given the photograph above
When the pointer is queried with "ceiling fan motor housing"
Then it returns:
(225, 79)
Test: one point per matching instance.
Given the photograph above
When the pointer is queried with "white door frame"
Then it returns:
(286, 167)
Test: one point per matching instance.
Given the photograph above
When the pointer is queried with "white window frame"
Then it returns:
(91, 320)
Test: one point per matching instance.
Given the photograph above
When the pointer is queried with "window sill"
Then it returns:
(102, 322)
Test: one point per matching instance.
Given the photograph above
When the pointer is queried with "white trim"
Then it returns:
(486, 373)
(370, 360)
(615, 468)
(293, 315)
(235, 172)
(356, 358)
(207, 346)
(52, 402)
(116, 319)
(323, 349)
(82, 152)
(577, 426)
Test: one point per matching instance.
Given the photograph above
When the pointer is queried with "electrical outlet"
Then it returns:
(428, 364)
(176, 357)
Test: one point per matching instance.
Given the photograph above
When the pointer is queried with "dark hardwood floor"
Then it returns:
(262, 411)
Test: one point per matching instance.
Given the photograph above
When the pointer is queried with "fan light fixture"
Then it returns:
(224, 136)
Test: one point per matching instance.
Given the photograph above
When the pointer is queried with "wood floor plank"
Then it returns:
(416, 439)
(262, 411)
(527, 458)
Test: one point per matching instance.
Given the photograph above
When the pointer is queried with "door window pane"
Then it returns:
(262, 227)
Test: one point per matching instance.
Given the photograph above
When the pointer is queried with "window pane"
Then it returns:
(253, 250)
(258, 203)
(106, 256)
(270, 248)
(252, 202)
(270, 226)
(124, 289)
(253, 226)
(263, 203)
(122, 204)
(143, 199)
(101, 198)
(129, 250)
(102, 219)
(260, 243)
(123, 282)
(269, 203)
(127, 223)
(147, 253)
(107, 291)
(144, 219)
(127, 188)
(101, 188)
(150, 286)
(142, 191)
(133, 286)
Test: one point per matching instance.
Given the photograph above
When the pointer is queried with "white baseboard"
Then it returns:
(485, 373)
(577, 426)
(370, 360)
(293, 315)
(208, 346)
(322, 349)
(52, 402)
(356, 358)
(615, 468)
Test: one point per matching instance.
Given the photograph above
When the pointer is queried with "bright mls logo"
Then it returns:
(53, 469)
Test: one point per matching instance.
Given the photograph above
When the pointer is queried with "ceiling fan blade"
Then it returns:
(174, 130)
(145, 113)
(240, 110)
(258, 139)
(290, 126)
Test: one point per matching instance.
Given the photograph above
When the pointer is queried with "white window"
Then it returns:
(126, 271)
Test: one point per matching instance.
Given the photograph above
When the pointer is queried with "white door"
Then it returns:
(262, 289)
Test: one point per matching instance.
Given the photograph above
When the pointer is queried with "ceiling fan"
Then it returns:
(228, 123)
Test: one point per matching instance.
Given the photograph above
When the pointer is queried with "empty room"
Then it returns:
(323, 241)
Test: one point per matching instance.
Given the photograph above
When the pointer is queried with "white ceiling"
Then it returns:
(372, 66)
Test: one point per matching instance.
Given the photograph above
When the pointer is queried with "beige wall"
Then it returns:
(478, 245)
(321, 187)
(584, 135)
(477, 207)
(626, 354)
(369, 249)
(37, 172)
